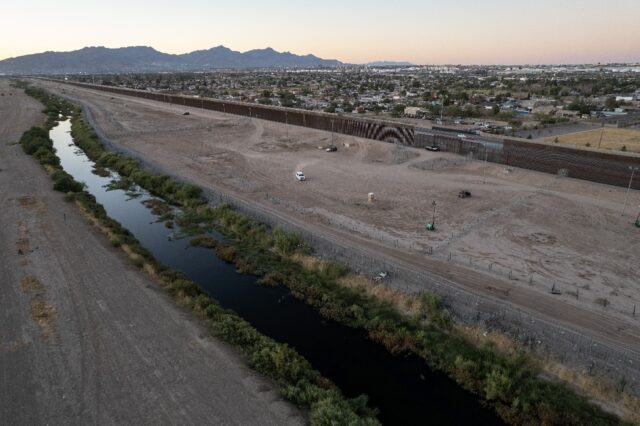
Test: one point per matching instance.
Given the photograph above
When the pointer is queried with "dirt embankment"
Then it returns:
(87, 338)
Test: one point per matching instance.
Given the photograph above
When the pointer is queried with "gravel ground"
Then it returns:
(85, 338)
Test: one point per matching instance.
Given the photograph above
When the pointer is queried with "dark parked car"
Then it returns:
(432, 148)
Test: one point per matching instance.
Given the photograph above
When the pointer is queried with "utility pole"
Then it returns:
(286, 118)
(601, 134)
(433, 219)
(484, 170)
(332, 132)
(626, 198)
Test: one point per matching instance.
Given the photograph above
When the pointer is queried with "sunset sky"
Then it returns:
(357, 31)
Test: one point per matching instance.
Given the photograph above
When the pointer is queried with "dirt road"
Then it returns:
(536, 227)
(85, 338)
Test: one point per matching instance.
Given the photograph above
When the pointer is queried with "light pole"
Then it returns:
(601, 135)
(433, 219)
(286, 118)
(484, 170)
(626, 198)
(332, 132)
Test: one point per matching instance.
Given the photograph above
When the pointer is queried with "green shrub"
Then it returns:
(497, 385)
(64, 182)
(34, 139)
(46, 156)
(285, 242)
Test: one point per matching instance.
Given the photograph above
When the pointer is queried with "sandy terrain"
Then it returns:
(612, 138)
(85, 338)
(543, 231)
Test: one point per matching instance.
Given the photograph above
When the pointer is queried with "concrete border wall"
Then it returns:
(602, 167)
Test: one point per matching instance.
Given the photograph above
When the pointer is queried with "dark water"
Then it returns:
(404, 390)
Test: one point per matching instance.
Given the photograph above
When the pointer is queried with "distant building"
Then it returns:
(413, 112)
(544, 109)
(567, 113)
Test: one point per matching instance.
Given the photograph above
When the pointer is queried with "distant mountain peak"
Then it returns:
(100, 59)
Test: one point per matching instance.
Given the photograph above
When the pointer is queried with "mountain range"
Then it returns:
(93, 60)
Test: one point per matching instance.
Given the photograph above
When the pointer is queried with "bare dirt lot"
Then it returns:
(85, 337)
(604, 138)
(526, 232)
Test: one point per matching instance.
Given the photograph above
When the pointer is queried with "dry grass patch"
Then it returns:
(480, 337)
(608, 395)
(27, 202)
(612, 138)
(137, 260)
(43, 314)
(22, 245)
(405, 304)
(31, 284)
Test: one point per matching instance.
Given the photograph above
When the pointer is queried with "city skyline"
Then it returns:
(494, 32)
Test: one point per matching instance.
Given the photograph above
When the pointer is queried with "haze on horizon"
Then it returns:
(360, 31)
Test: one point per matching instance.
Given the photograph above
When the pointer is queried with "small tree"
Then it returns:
(611, 103)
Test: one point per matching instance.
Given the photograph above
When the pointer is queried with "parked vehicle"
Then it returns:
(300, 176)
(332, 148)
(432, 148)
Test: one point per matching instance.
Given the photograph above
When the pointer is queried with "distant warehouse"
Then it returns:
(414, 112)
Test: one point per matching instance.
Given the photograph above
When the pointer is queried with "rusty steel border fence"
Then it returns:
(596, 166)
